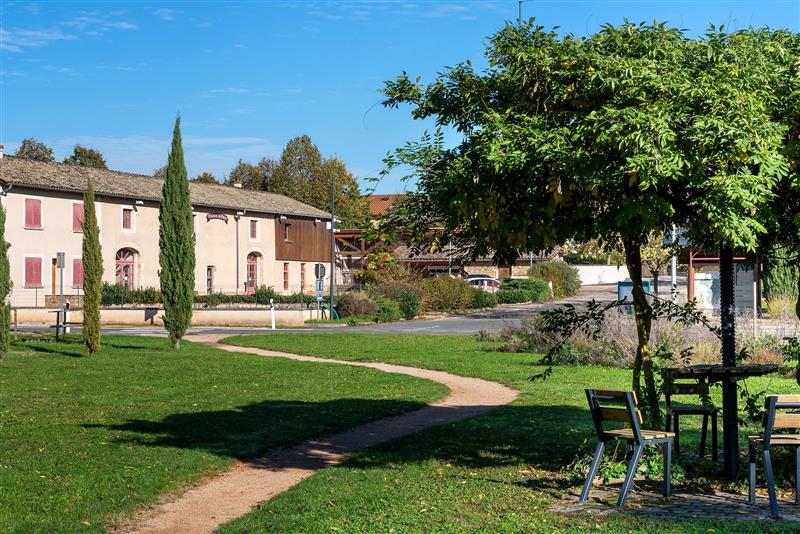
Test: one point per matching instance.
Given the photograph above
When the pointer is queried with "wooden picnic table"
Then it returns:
(727, 374)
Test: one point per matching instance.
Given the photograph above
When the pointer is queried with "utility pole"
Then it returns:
(333, 242)
(519, 15)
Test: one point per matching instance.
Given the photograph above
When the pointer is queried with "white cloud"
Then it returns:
(68, 71)
(16, 40)
(165, 13)
(95, 24)
(142, 153)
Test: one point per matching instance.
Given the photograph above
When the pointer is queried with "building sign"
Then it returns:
(707, 288)
(220, 216)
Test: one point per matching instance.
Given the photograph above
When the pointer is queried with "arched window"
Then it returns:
(126, 267)
(253, 267)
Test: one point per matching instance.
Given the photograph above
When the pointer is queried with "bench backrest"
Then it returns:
(776, 419)
(611, 406)
(699, 389)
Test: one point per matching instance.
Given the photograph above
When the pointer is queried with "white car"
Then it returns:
(485, 282)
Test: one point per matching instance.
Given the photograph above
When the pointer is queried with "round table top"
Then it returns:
(713, 370)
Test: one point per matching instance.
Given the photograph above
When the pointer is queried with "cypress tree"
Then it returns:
(92, 273)
(176, 244)
(5, 288)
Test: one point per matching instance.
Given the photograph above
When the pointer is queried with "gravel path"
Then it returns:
(212, 502)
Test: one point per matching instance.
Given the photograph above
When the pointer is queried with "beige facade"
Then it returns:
(235, 248)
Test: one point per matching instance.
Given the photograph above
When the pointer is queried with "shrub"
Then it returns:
(118, 295)
(447, 294)
(263, 294)
(483, 299)
(388, 310)
(534, 290)
(563, 276)
(512, 296)
(409, 297)
(356, 304)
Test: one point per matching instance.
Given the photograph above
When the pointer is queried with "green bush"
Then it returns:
(388, 310)
(118, 295)
(356, 304)
(563, 276)
(516, 290)
(447, 294)
(483, 299)
(512, 296)
(409, 297)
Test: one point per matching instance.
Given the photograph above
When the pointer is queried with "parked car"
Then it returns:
(485, 282)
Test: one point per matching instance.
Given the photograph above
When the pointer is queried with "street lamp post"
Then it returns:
(333, 242)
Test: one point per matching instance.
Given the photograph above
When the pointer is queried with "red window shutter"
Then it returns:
(77, 273)
(33, 272)
(77, 217)
(33, 213)
(126, 219)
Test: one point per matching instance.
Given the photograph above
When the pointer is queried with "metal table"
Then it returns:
(728, 374)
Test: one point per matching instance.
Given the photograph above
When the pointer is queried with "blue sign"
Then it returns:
(320, 288)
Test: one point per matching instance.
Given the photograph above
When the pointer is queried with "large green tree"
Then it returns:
(87, 157)
(176, 244)
(5, 287)
(92, 257)
(303, 173)
(30, 148)
(611, 136)
(205, 178)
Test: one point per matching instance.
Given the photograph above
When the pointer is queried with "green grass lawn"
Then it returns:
(85, 441)
(494, 473)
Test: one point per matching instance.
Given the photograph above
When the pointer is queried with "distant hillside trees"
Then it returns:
(30, 148)
(87, 157)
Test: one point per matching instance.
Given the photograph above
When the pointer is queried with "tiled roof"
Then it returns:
(73, 178)
(380, 204)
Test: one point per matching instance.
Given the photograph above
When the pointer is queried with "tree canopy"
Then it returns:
(205, 178)
(30, 148)
(611, 136)
(87, 157)
(304, 174)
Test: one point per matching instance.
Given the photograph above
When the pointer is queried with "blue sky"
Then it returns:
(247, 77)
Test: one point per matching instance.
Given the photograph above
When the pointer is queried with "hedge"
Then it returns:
(119, 295)
(517, 290)
(483, 299)
(563, 276)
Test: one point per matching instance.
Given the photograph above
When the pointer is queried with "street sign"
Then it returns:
(320, 289)
(60, 261)
(319, 270)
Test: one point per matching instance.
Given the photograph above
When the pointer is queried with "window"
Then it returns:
(194, 224)
(287, 232)
(209, 279)
(33, 213)
(33, 272)
(302, 278)
(77, 217)
(253, 261)
(127, 219)
(286, 277)
(77, 272)
(126, 267)
(253, 229)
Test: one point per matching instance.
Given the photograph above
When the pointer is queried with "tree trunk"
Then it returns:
(655, 281)
(643, 363)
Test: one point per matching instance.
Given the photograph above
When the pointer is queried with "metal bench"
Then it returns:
(773, 420)
(675, 411)
(609, 406)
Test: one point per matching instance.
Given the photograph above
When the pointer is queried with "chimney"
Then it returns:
(1, 151)
(237, 183)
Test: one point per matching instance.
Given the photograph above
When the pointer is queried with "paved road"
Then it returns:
(491, 320)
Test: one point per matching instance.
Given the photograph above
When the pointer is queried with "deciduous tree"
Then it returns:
(88, 157)
(30, 148)
(205, 178)
(176, 244)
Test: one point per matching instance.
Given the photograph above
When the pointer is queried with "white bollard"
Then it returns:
(272, 311)
(67, 329)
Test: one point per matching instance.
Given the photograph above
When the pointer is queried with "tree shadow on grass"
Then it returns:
(248, 431)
